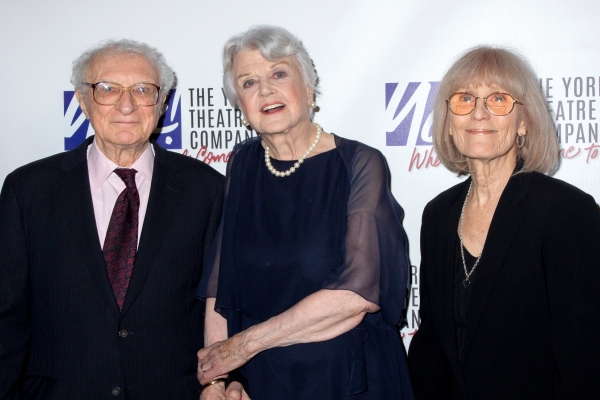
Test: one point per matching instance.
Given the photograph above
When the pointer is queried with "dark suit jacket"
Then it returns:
(533, 322)
(61, 333)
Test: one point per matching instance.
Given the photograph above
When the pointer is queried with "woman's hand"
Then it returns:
(222, 357)
(318, 317)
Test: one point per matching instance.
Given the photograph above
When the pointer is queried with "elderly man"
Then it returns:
(88, 311)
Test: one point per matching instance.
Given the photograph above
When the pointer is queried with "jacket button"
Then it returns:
(116, 391)
(123, 333)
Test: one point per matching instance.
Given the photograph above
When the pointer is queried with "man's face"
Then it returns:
(124, 125)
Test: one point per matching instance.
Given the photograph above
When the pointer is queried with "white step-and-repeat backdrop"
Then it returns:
(369, 56)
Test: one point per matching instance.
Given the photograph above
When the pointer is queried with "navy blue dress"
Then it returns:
(333, 224)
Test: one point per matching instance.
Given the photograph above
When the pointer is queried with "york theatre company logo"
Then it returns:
(167, 133)
(77, 124)
(215, 126)
(573, 101)
(408, 111)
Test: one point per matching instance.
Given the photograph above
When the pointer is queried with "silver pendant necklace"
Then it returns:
(466, 282)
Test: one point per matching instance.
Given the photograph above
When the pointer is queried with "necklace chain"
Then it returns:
(297, 163)
(467, 281)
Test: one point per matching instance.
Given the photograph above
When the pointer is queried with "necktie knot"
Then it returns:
(127, 175)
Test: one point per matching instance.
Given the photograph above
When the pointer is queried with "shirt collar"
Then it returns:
(100, 167)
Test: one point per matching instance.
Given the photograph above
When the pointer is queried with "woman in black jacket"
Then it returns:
(510, 258)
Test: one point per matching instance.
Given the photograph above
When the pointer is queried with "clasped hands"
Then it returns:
(216, 361)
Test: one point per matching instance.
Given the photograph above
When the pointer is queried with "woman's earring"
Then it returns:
(245, 122)
(520, 141)
(312, 105)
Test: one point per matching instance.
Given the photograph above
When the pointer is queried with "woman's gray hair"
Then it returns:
(113, 47)
(494, 66)
(274, 43)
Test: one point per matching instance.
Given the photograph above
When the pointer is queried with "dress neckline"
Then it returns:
(308, 158)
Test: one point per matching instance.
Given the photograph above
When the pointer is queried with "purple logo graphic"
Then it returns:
(408, 113)
(167, 134)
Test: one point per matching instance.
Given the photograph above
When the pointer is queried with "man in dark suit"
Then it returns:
(88, 311)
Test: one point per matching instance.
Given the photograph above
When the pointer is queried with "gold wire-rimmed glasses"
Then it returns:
(109, 93)
(497, 103)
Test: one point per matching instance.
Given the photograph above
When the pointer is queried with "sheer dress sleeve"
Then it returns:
(376, 259)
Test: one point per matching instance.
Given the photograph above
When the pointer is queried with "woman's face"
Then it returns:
(481, 135)
(272, 95)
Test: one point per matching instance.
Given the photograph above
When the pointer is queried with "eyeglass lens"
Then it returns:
(143, 94)
(496, 103)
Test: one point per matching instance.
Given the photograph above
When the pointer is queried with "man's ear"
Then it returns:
(81, 100)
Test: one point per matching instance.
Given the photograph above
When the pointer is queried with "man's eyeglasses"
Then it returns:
(500, 104)
(109, 93)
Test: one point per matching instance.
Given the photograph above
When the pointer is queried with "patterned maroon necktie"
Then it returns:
(120, 245)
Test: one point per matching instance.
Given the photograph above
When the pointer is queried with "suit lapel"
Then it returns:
(503, 228)
(163, 201)
(76, 196)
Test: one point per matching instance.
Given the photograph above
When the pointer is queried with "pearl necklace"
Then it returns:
(467, 282)
(297, 163)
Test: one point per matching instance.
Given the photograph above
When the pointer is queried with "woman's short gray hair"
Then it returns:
(113, 47)
(274, 43)
(494, 66)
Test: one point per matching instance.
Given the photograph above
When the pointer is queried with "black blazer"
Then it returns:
(533, 322)
(61, 333)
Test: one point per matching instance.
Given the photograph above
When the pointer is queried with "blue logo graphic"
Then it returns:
(408, 113)
(169, 125)
(77, 123)
(168, 133)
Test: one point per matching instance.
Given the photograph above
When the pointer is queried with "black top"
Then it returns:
(461, 295)
(332, 224)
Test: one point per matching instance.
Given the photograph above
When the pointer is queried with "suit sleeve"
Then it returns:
(213, 224)
(14, 321)
(429, 369)
(572, 260)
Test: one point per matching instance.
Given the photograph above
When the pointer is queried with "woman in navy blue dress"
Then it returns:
(309, 272)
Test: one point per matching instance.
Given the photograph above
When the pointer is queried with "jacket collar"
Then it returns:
(75, 194)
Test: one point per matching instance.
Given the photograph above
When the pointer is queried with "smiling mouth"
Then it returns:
(272, 108)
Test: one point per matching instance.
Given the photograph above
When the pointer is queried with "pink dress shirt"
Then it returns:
(106, 186)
